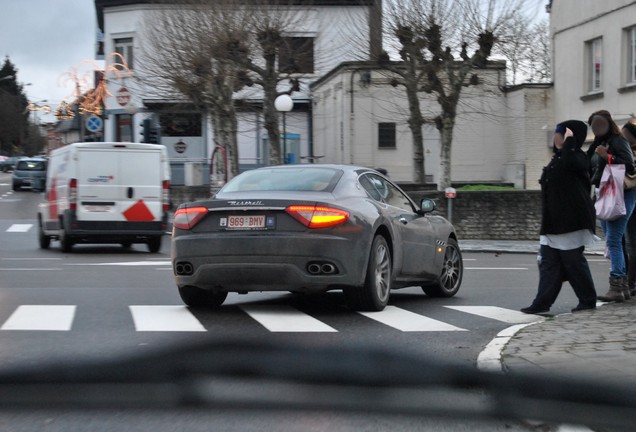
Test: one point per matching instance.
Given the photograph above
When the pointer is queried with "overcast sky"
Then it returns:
(45, 40)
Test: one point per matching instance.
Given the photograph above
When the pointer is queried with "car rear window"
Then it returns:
(288, 179)
(31, 166)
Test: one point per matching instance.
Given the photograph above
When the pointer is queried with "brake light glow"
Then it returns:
(313, 216)
(72, 194)
(187, 218)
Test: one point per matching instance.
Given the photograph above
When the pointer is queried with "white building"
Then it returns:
(594, 46)
(330, 26)
(360, 118)
(347, 111)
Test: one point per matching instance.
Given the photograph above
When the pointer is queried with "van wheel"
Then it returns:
(197, 297)
(45, 241)
(66, 241)
(154, 244)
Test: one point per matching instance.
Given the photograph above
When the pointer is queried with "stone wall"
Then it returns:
(493, 215)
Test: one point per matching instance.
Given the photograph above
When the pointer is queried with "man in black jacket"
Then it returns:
(567, 222)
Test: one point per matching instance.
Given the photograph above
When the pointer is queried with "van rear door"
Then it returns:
(119, 184)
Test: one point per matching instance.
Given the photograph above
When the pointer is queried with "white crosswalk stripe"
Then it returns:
(497, 313)
(407, 321)
(281, 318)
(165, 318)
(20, 228)
(41, 317)
(274, 318)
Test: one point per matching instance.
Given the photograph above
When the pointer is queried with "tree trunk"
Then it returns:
(446, 127)
(416, 122)
(270, 120)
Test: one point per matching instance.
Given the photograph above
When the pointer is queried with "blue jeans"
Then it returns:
(614, 231)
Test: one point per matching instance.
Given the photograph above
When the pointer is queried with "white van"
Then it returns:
(106, 193)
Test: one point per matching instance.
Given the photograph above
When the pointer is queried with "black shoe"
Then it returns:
(535, 310)
(581, 307)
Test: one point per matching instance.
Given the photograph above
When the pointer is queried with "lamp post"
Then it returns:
(284, 103)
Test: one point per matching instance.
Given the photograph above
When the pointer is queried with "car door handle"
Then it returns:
(403, 220)
(130, 192)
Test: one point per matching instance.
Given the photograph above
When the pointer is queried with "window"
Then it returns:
(124, 47)
(595, 67)
(631, 76)
(383, 191)
(386, 135)
(296, 55)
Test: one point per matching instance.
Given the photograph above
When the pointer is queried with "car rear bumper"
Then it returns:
(275, 263)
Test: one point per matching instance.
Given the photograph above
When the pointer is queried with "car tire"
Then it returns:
(43, 239)
(154, 244)
(65, 241)
(199, 298)
(450, 278)
(374, 294)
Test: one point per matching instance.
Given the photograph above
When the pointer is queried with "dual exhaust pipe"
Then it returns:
(321, 268)
(183, 268)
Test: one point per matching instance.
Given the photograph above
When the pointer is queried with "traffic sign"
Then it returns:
(123, 96)
(94, 123)
(450, 192)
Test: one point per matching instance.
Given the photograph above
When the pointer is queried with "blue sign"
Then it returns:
(94, 123)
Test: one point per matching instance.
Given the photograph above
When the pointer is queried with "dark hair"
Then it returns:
(631, 127)
(614, 129)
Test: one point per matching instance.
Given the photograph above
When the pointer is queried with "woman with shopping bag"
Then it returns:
(611, 148)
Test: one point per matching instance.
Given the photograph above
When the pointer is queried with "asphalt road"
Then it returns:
(103, 301)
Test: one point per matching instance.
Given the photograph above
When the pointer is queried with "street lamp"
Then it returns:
(284, 103)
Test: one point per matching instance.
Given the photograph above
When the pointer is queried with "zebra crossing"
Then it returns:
(273, 318)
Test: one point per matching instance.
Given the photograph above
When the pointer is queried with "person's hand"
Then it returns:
(602, 151)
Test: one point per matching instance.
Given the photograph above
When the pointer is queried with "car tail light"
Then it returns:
(186, 218)
(317, 216)
(165, 197)
(72, 194)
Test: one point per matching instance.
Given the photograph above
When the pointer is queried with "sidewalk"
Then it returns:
(597, 344)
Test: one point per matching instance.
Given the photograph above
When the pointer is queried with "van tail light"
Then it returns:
(165, 195)
(186, 218)
(313, 216)
(72, 194)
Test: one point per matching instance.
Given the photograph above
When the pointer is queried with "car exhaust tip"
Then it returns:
(321, 268)
(183, 268)
(328, 268)
(313, 268)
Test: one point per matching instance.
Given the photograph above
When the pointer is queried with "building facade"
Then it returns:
(328, 25)
(594, 58)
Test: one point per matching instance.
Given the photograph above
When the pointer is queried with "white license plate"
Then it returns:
(244, 222)
(97, 208)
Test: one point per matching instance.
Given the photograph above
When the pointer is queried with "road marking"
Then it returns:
(125, 263)
(497, 313)
(29, 269)
(408, 321)
(165, 318)
(282, 318)
(41, 317)
(495, 268)
(20, 227)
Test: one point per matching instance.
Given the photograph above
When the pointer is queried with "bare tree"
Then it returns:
(442, 44)
(185, 55)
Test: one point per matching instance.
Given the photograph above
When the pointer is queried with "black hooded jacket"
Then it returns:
(620, 150)
(565, 186)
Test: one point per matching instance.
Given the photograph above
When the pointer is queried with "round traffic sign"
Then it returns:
(94, 123)
(123, 96)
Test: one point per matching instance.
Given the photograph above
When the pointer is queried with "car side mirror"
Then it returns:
(427, 205)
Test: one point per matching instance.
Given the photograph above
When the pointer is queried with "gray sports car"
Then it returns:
(313, 228)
